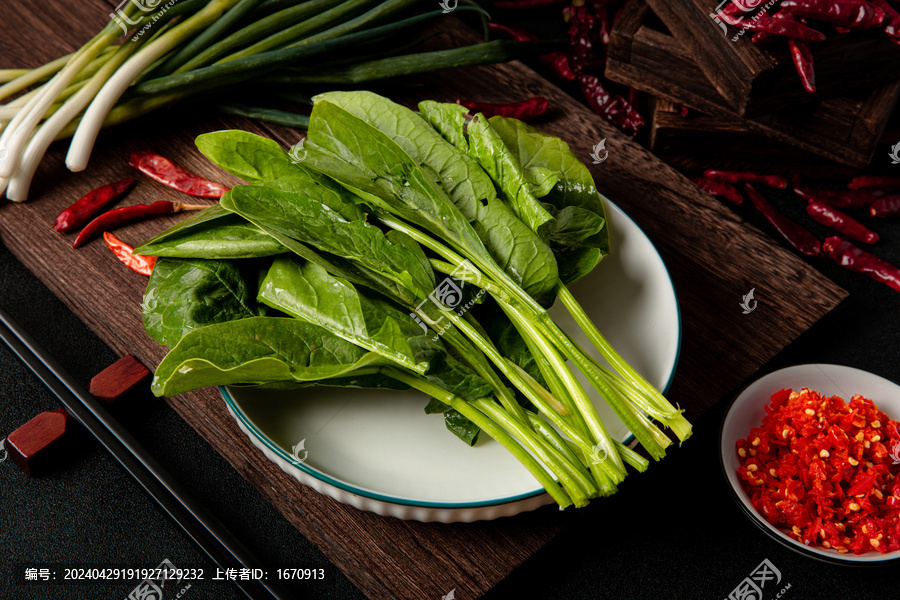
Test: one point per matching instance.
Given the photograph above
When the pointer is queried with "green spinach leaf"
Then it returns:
(513, 246)
(186, 294)
(262, 350)
(213, 233)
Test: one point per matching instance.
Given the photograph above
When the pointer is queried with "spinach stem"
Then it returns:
(679, 425)
(488, 426)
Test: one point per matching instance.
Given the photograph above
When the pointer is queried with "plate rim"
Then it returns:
(431, 504)
(822, 555)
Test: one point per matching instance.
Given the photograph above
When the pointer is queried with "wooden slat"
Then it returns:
(714, 259)
(757, 82)
(842, 129)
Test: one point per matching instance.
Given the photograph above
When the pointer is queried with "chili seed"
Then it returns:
(824, 453)
(752, 452)
(854, 507)
(810, 411)
(751, 467)
(875, 543)
(826, 544)
(876, 438)
(875, 424)
(772, 473)
(756, 441)
(742, 453)
(852, 461)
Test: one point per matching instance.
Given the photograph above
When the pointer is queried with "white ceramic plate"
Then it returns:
(748, 409)
(377, 450)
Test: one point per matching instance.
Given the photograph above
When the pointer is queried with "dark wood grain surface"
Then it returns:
(757, 82)
(714, 258)
(844, 129)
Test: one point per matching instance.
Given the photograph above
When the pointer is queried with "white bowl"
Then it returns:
(748, 409)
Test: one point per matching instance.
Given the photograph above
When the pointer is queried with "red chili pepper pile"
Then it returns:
(823, 469)
(589, 22)
(865, 192)
(789, 21)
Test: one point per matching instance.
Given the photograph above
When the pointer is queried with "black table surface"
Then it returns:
(672, 532)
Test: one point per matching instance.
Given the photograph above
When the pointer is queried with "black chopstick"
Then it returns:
(204, 529)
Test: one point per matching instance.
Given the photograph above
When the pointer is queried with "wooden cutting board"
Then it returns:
(714, 259)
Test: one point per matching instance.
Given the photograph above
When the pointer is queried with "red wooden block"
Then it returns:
(119, 378)
(31, 445)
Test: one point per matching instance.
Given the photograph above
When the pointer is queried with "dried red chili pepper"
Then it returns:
(849, 256)
(796, 235)
(90, 204)
(803, 62)
(684, 111)
(889, 206)
(720, 189)
(837, 198)
(136, 262)
(557, 62)
(130, 214)
(782, 27)
(176, 177)
(527, 4)
(524, 110)
(613, 107)
(582, 35)
(829, 216)
(772, 181)
(842, 13)
(880, 182)
(891, 21)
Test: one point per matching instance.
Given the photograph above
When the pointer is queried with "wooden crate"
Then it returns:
(754, 81)
(844, 129)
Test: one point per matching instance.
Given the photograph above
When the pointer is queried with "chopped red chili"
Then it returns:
(136, 262)
(837, 198)
(796, 235)
(851, 14)
(884, 183)
(524, 110)
(822, 469)
(829, 216)
(90, 204)
(889, 206)
(557, 62)
(176, 177)
(855, 259)
(720, 189)
(772, 181)
(130, 214)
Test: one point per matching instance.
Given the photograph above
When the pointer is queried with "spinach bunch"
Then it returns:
(408, 250)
